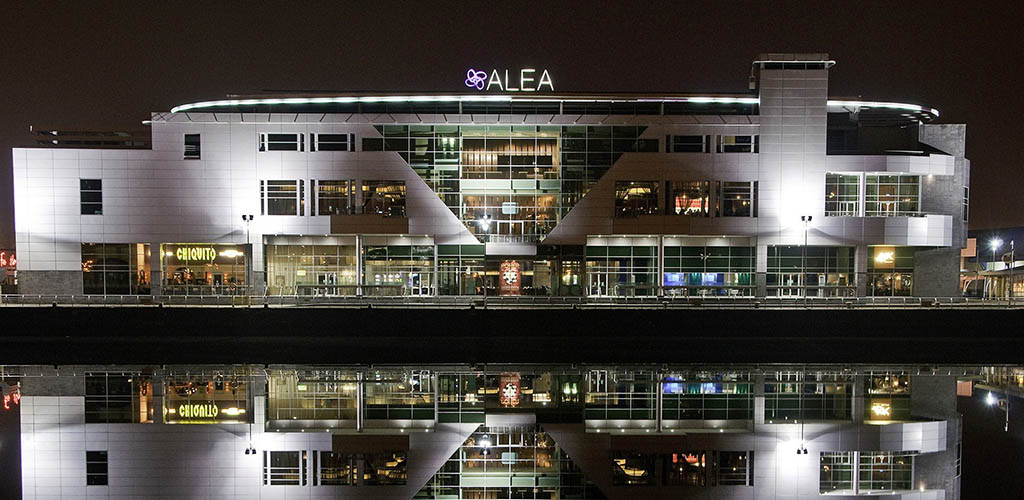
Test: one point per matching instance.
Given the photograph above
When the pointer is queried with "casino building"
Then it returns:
(507, 188)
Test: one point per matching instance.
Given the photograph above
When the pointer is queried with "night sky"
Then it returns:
(85, 66)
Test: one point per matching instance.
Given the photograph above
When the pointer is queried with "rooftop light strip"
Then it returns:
(505, 98)
(886, 105)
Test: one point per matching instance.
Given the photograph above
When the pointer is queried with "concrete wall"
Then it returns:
(50, 282)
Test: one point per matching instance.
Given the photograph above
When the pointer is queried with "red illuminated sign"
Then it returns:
(509, 278)
(12, 396)
(508, 389)
(8, 260)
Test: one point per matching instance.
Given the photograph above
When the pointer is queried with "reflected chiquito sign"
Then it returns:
(202, 412)
(522, 80)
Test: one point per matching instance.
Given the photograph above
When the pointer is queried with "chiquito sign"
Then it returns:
(525, 80)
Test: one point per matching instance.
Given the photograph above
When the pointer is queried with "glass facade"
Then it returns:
(518, 461)
(812, 271)
(891, 271)
(709, 270)
(510, 182)
(115, 268)
(892, 195)
(204, 268)
(398, 269)
(798, 397)
(311, 269)
(622, 270)
(216, 399)
(727, 397)
(842, 195)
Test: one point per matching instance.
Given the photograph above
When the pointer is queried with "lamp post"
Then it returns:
(994, 244)
(1009, 291)
(247, 218)
(803, 272)
(992, 400)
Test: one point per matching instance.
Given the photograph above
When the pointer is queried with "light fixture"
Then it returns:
(990, 399)
(995, 243)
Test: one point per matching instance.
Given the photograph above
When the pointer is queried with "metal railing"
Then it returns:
(524, 302)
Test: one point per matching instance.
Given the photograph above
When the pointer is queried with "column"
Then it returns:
(857, 399)
(759, 399)
(761, 270)
(359, 265)
(860, 269)
(359, 402)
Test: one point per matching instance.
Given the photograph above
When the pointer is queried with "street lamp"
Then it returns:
(247, 218)
(1004, 404)
(803, 274)
(994, 244)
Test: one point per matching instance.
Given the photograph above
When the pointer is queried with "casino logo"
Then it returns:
(476, 79)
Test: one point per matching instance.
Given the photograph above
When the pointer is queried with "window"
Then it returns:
(335, 469)
(835, 474)
(812, 271)
(891, 271)
(282, 142)
(282, 197)
(91, 191)
(385, 469)
(733, 469)
(688, 468)
(738, 143)
(284, 468)
(385, 198)
(332, 142)
(687, 143)
(634, 198)
(332, 197)
(622, 270)
(884, 472)
(689, 198)
(736, 199)
(373, 144)
(196, 399)
(632, 469)
(696, 399)
(192, 150)
(96, 468)
(892, 195)
(118, 399)
(967, 199)
(316, 396)
(842, 195)
(115, 269)
(707, 270)
(808, 396)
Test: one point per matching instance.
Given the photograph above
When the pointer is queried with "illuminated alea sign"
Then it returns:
(508, 391)
(527, 81)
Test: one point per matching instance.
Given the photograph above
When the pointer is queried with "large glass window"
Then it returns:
(706, 270)
(886, 472)
(736, 199)
(687, 468)
(688, 144)
(311, 269)
(689, 198)
(281, 142)
(332, 142)
(892, 195)
(386, 198)
(461, 269)
(91, 194)
(633, 468)
(836, 473)
(798, 397)
(282, 197)
(333, 197)
(118, 398)
(738, 143)
(842, 195)
(891, 271)
(634, 198)
(399, 395)
(622, 270)
(733, 468)
(398, 270)
(888, 397)
(625, 395)
(115, 268)
(284, 468)
(322, 397)
(203, 268)
(813, 271)
(335, 469)
(221, 398)
(691, 398)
